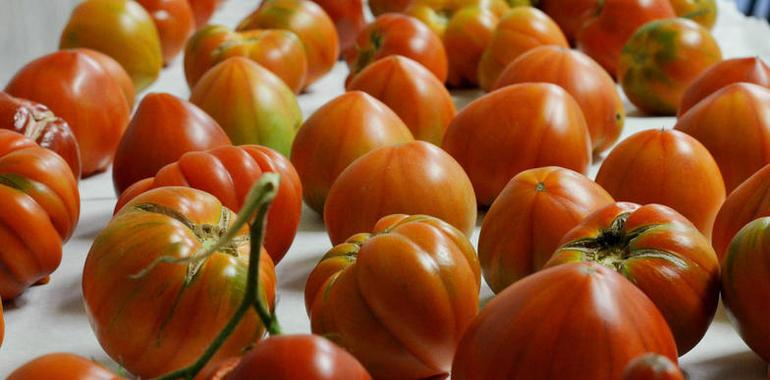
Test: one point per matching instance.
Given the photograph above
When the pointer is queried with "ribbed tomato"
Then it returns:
(175, 22)
(750, 69)
(63, 366)
(652, 367)
(466, 37)
(348, 17)
(116, 71)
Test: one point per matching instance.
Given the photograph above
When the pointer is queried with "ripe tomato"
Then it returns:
(521, 29)
(744, 147)
(652, 367)
(379, 7)
(412, 92)
(750, 69)
(746, 285)
(516, 128)
(79, 90)
(570, 14)
(437, 14)
(582, 78)
(175, 22)
(667, 167)
(121, 29)
(228, 172)
(662, 253)
(348, 17)
(190, 303)
(413, 178)
(203, 10)
(399, 298)
(277, 50)
(36, 122)
(339, 132)
(63, 366)
(251, 104)
(116, 71)
(311, 24)
(586, 322)
(397, 34)
(467, 34)
(660, 61)
(163, 128)
(527, 221)
(704, 12)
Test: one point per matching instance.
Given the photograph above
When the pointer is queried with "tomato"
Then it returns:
(78, 89)
(279, 51)
(203, 10)
(397, 34)
(121, 29)
(398, 299)
(516, 128)
(379, 7)
(412, 92)
(704, 12)
(36, 122)
(570, 14)
(744, 147)
(749, 69)
(437, 14)
(746, 285)
(523, 227)
(581, 77)
(660, 61)
(311, 24)
(667, 167)
(652, 367)
(190, 303)
(163, 128)
(467, 34)
(345, 128)
(586, 322)
(411, 178)
(62, 366)
(611, 23)
(521, 29)
(116, 71)
(175, 22)
(251, 104)
(39, 208)
(348, 17)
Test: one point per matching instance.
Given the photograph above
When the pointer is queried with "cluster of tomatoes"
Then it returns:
(178, 285)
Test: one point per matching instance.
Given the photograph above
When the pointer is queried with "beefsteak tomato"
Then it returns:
(466, 37)
(348, 17)
(704, 12)
(175, 22)
(117, 72)
(62, 366)
(749, 69)
(652, 367)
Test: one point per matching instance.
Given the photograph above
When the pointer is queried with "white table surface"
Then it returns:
(51, 318)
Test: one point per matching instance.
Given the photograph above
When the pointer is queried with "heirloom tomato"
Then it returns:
(173, 311)
(79, 90)
(62, 366)
(659, 251)
(412, 92)
(339, 132)
(660, 61)
(732, 124)
(175, 22)
(437, 14)
(704, 12)
(586, 322)
(348, 17)
(569, 14)
(750, 69)
(116, 71)
(521, 29)
(652, 367)
(251, 104)
(121, 29)
(203, 10)
(309, 22)
(379, 7)
(466, 37)
(163, 128)
(581, 77)
(414, 178)
(667, 167)
(527, 221)
(516, 128)
(398, 298)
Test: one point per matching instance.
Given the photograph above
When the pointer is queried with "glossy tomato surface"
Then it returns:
(203, 10)
(652, 367)
(569, 14)
(348, 17)
(116, 71)
(62, 366)
(467, 35)
(174, 21)
(704, 12)
(399, 298)
(750, 69)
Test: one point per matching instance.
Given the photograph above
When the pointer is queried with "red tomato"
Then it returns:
(667, 167)
(704, 12)
(744, 147)
(203, 10)
(399, 298)
(750, 69)
(569, 14)
(348, 17)
(581, 77)
(116, 71)
(79, 90)
(412, 92)
(652, 367)
(413, 178)
(517, 128)
(163, 128)
(339, 132)
(380, 7)
(228, 172)
(468, 33)
(62, 366)
(586, 322)
(175, 22)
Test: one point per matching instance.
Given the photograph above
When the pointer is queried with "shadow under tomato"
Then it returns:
(72, 301)
(293, 275)
(744, 365)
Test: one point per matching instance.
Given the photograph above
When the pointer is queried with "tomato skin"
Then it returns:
(569, 14)
(581, 77)
(517, 128)
(356, 296)
(652, 367)
(667, 167)
(412, 92)
(348, 17)
(163, 128)
(79, 90)
(203, 10)
(749, 69)
(175, 22)
(379, 7)
(704, 12)
(413, 178)
(518, 336)
(116, 71)
(62, 366)
(466, 37)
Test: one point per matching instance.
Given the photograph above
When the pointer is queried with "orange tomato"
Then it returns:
(348, 17)
(569, 14)
(63, 366)
(379, 7)
(203, 10)
(652, 367)
(175, 22)
(117, 72)
(704, 12)
(749, 69)
(466, 37)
